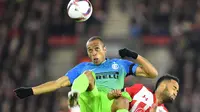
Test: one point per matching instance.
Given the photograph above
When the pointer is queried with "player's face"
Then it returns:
(171, 90)
(96, 51)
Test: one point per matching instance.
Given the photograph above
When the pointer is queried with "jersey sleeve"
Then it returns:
(75, 72)
(129, 66)
(134, 89)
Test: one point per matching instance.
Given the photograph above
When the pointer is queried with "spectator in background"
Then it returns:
(21, 51)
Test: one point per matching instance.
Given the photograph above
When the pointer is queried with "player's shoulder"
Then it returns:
(118, 60)
(135, 87)
(138, 85)
(82, 64)
(114, 59)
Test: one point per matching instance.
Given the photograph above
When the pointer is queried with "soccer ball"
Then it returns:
(79, 10)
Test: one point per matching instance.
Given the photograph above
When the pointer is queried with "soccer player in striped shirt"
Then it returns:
(145, 100)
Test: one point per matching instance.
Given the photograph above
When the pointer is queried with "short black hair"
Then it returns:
(96, 38)
(165, 78)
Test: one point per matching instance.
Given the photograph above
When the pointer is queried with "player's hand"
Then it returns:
(153, 108)
(156, 108)
(127, 53)
(23, 92)
(114, 94)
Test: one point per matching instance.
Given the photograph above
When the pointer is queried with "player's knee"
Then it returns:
(91, 79)
(120, 103)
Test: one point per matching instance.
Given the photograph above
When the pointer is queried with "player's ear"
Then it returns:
(162, 86)
(104, 48)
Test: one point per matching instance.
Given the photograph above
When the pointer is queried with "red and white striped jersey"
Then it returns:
(142, 99)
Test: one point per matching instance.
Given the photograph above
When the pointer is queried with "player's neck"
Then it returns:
(159, 98)
(103, 61)
(100, 63)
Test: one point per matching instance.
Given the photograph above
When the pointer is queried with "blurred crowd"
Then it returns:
(179, 21)
(30, 28)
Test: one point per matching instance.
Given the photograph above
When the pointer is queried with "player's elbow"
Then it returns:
(153, 74)
(57, 84)
(62, 82)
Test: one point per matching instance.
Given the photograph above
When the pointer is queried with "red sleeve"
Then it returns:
(132, 90)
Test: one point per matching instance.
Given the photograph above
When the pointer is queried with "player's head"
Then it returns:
(96, 50)
(167, 86)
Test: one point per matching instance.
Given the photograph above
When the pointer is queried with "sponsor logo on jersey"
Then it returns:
(107, 75)
(115, 66)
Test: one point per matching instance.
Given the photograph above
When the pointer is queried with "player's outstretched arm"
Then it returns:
(146, 69)
(50, 86)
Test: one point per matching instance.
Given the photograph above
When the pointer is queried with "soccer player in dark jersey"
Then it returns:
(91, 81)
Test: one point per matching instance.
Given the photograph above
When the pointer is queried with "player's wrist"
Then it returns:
(30, 91)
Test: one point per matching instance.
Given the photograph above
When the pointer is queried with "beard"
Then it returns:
(167, 97)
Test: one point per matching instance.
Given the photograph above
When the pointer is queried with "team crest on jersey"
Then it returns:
(115, 66)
